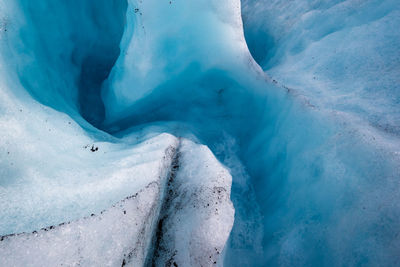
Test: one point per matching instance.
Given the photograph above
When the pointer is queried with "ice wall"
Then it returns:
(48, 162)
(315, 176)
(157, 48)
(312, 184)
(60, 176)
(340, 55)
(340, 58)
(68, 48)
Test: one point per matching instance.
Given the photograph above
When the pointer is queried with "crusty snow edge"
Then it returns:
(182, 219)
(116, 236)
(197, 215)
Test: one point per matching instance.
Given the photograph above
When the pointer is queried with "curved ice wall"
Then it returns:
(341, 58)
(340, 55)
(64, 50)
(324, 179)
(311, 143)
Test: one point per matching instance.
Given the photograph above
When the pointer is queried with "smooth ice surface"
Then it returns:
(324, 179)
(156, 49)
(62, 51)
(49, 173)
(309, 134)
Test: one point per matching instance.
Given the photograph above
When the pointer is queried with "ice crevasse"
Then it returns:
(199, 133)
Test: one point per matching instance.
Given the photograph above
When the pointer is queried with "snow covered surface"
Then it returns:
(197, 216)
(118, 236)
(182, 216)
(333, 191)
(340, 55)
(40, 192)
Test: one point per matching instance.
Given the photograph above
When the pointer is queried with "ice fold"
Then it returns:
(183, 216)
(197, 215)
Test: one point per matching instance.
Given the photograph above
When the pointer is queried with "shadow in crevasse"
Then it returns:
(94, 71)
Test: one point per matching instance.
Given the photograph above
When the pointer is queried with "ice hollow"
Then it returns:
(63, 51)
(298, 100)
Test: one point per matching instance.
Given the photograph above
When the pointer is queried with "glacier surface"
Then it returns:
(296, 104)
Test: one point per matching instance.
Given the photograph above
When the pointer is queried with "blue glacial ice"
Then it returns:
(289, 109)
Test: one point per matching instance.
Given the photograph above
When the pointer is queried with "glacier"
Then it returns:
(199, 133)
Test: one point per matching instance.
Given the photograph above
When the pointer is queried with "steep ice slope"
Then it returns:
(164, 39)
(197, 215)
(310, 186)
(52, 170)
(63, 50)
(324, 188)
(57, 168)
(340, 58)
(339, 55)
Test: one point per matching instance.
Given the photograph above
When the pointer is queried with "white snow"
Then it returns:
(189, 197)
(198, 215)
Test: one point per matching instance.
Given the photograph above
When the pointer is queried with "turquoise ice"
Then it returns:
(299, 100)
